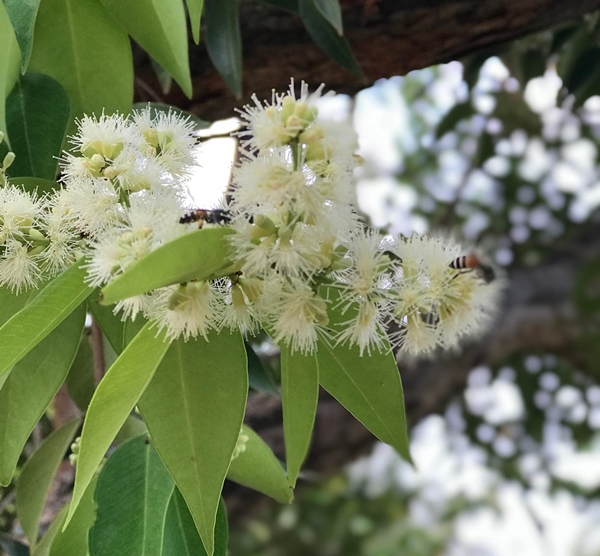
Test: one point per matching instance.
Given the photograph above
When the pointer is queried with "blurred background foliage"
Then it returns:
(502, 148)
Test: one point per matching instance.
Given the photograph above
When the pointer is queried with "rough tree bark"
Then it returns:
(387, 37)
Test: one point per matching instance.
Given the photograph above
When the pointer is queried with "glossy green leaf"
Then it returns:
(80, 380)
(132, 495)
(330, 10)
(116, 395)
(326, 37)
(258, 468)
(159, 27)
(9, 63)
(22, 14)
(53, 304)
(133, 426)
(258, 376)
(37, 475)
(195, 256)
(11, 303)
(181, 536)
(194, 8)
(194, 408)
(158, 108)
(78, 44)
(299, 396)
(30, 387)
(223, 41)
(73, 540)
(37, 114)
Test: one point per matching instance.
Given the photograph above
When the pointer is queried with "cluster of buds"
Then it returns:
(300, 251)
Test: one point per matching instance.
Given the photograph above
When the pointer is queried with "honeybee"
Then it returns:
(209, 216)
(469, 263)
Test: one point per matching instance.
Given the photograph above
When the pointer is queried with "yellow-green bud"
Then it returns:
(177, 297)
(311, 135)
(265, 223)
(293, 123)
(151, 137)
(8, 160)
(237, 296)
(288, 105)
(252, 288)
(315, 151)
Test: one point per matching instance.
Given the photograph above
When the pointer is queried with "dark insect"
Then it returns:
(209, 216)
(468, 263)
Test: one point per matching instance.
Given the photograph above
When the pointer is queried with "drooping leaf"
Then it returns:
(259, 378)
(73, 539)
(195, 256)
(159, 27)
(113, 400)
(27, 328)
(330, 10)
(299, 396)
(223, 41)
(37, 114)
(132, 495)
(37, 475)
(78, 44)
(194, 408)
(80, 380)
(42, 548)
(9, 63)
(326, 37)
(194, 8)
(30, 387)
(181, 536)
(258, 468)
(158, 107)
(22, 14)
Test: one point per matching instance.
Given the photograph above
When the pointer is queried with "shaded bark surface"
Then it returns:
(387, 37)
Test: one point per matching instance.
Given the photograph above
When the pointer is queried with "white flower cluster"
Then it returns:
(301, 254)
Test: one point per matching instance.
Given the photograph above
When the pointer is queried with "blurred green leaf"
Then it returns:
(31, 385)
(12, 547)
(9, 64)
(36, 476)
(194, 256)
(80, 380)
(223, 41)
(159, 27)
(258, 468)
(259, 378)
(458, 112)
(194, 8)
(299, 397)
(330, 10)
(194, 407)
(116, 395)
(327, 38)
(37, 115)
(22, 14)
(132, 495)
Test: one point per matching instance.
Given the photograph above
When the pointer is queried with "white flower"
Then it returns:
(300, 318)
(105, 136)
(132, 306)
(237, 312)
(18, 270)
(365, 328)
(185, 310)
(18, 211)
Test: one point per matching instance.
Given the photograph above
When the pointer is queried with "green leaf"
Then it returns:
(195, 256)
(132, 495)
(194, 8)
(22, 14)
(42, 548)
(37, 114)
(134, 426)
(11, 303)
(258, 468)
(181, 536)
(330, 10)
(116, 395)
(159, 27)
(78, 44)
(73, 540)
(30, 387)
(299, 396)
(111, 325)
(9, 63)
(259, 378)
(223, 41)
(37, 475)
(165, 79)
(22, 332)
(194, 408)
(80, 380)
(327, 38)
(159, 107)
